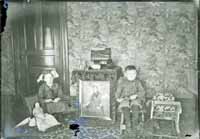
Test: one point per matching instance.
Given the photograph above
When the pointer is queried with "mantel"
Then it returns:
(102, 74)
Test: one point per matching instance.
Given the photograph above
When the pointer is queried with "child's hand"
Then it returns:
(133, 97)
(48, 100)
(119, 100)
(56, 99)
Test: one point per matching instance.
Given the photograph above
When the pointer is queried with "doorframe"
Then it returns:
(65, 50)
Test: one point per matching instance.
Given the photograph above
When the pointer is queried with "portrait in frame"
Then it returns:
(94, 97)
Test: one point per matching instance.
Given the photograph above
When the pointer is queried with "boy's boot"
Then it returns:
(135, 123)
(127, 119)
(128, 128)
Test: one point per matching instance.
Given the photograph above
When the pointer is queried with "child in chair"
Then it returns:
(130, 95)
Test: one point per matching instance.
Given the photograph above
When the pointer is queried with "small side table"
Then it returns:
(166, 110)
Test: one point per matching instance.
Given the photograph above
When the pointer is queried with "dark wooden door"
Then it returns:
(38, 45)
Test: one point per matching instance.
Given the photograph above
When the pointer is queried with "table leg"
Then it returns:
(177, 124)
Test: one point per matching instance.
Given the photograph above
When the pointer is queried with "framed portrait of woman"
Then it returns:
(94, 97)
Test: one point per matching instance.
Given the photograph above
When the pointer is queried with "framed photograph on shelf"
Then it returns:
(94, 97)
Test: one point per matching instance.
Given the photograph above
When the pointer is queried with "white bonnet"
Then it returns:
(53, 73)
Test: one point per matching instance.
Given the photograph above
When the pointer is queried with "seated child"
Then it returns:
(130, 95)
(50, 94)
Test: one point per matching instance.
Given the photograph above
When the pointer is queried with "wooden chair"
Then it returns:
(30, 101)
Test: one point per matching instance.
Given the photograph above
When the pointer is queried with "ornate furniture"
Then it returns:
(111, 75)
(163, 107)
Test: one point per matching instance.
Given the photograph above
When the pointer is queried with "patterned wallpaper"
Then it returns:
(7, 64)
(159, 38)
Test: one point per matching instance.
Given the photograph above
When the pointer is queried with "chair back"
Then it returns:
(30, 101)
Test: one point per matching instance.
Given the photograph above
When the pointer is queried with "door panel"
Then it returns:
(42, 60)
(38, 45)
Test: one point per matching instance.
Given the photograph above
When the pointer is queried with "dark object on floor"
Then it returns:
(75, 128)
(188, 135)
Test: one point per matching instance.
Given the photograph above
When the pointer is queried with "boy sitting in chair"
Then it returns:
(130, 95)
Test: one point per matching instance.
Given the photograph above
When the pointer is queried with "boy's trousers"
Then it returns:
(131, 116)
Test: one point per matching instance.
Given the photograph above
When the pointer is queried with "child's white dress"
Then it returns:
(44, 120)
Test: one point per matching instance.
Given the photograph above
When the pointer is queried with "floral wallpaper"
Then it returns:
(159, 38)
(7, 64)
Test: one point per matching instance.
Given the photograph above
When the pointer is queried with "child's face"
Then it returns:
(37, 105)
(131, 74)
(48, 78)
